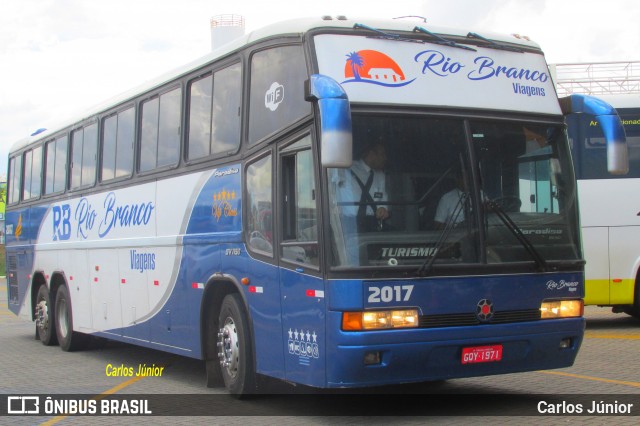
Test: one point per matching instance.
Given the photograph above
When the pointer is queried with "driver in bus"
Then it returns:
(533, 137)
(364, 185)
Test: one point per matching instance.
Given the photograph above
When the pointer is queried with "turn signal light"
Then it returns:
(379, 320)
(562, 309)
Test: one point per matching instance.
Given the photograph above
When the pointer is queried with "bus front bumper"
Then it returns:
(374, 358)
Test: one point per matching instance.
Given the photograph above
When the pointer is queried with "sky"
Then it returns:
(59, 57)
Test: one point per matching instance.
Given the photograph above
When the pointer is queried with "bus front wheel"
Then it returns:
(234, 347)
(45, 317)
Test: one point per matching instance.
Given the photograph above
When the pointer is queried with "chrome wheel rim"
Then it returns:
(229, 347)
(42, 315)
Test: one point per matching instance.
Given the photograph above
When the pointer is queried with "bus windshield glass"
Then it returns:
(446, 191)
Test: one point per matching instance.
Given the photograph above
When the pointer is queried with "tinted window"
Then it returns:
(214, 113)
(50, 168)
(77, 141)
(32, 173)
(117, 144)
(61, 164)
(160, 139)
(200, 117)
(26, 189)
(149, 135)
(169, 128)
(109, 140)
(260, 206)
(56, 153)
(36, 172)
(277, 90)
(299, 230)
(15, 170)
(225, 122)
(84, 147)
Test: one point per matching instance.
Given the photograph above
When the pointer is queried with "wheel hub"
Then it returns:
(42, 315)
(228, 347)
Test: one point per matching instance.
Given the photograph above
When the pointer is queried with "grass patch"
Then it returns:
(3, 266)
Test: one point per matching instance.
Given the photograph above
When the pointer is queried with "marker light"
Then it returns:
(562, 309)
(379, 320)
(519, 37)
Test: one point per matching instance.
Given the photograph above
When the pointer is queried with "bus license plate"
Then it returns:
(477, 354)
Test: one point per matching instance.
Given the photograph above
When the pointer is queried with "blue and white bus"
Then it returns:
(609, 213)
(210, 213)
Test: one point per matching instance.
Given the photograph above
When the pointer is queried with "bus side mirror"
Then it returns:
(335, 120)
(609, 121)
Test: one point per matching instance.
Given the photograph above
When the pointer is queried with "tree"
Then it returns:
(356, 61)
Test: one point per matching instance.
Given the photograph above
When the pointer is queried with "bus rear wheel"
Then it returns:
(45, 317)
(636, 299)
(234, 347)
(69, 340)
(634, 310)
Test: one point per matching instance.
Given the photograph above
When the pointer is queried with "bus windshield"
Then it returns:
(589, 148)
(449, 191)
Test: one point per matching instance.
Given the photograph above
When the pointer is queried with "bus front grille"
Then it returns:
(467, 319)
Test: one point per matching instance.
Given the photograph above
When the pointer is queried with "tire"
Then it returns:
(235, 350)
(45, 318)
(211, 360)
(214, 373)
(634, 310)
(69, 340)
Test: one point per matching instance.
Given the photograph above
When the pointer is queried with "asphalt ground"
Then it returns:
(606, 370)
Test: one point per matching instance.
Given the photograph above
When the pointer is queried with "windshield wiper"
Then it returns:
(448, 227)
(517, 232)
(493, 45)
(384, 35)
(441, 40)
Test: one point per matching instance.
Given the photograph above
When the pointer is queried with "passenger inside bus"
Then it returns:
(451, 205)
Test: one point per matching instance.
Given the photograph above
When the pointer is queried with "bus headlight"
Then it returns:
(562, 309)
(379, 320)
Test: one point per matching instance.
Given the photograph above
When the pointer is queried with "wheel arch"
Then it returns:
(636, 292)
(635, 272)
(38, 280)
(57, 280)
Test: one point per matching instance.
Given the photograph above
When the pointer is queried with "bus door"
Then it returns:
(302, 287)
(261, 270)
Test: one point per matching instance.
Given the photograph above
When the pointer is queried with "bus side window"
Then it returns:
(260, 205)
(84, 148)
(32, 173)
(277, 90)
(214, 113)
(15, 171)
(225, 120)
(299, 228)
(56, 165)
(160, 131)
(117, 144)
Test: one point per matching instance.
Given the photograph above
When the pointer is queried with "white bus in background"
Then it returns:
(609, 208)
